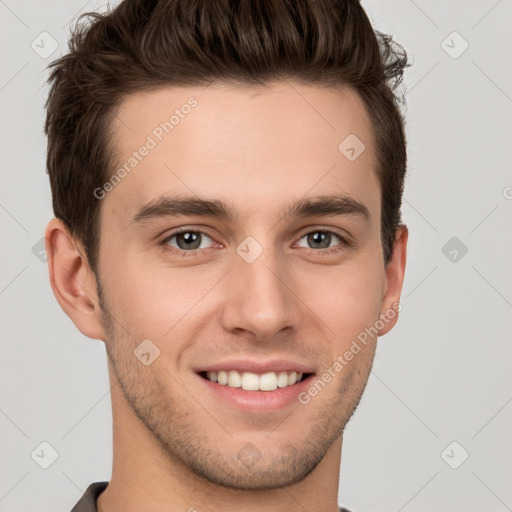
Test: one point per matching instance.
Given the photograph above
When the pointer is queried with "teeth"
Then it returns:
(253, 382)
(268, 381)
(222, 376)
(234, 379)
(250, 381)
(282, 380)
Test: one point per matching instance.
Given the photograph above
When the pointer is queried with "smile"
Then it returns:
(250, 381)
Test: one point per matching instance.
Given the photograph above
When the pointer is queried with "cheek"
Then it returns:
(347, 298)
(151, 299)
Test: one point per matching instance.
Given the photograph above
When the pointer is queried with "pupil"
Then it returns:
(321, 237)
(189, 239)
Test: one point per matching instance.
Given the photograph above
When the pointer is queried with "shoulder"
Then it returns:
(87, 502)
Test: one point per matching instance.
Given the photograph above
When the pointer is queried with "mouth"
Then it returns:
(254, 393)
(258, 382)
(255, 386)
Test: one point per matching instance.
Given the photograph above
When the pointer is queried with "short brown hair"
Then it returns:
(147, 44)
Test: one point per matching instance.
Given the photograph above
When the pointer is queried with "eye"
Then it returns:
(321, 239)
(186, 241)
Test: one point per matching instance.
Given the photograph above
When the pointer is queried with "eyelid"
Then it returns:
(327, 229)
(186, 229)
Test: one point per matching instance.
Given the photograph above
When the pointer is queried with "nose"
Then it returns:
(259, 297)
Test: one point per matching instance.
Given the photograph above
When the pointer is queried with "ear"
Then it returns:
(72, 280)
(395, 272)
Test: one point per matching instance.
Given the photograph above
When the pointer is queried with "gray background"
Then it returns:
(442, 375)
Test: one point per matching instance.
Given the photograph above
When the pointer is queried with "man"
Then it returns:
(227, 180)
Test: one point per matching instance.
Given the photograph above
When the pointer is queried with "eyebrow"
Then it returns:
(322, 206)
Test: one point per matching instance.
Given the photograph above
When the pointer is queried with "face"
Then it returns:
(277, 260)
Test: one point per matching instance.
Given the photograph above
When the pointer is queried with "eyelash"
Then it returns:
(196, 252)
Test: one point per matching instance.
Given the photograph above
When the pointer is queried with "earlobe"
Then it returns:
(395, 272)
(72, 281)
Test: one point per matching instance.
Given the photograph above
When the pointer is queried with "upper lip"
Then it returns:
(259, 367)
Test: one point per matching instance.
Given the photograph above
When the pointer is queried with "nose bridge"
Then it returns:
(259, 298)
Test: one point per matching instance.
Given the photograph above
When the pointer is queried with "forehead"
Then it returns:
(247, 145)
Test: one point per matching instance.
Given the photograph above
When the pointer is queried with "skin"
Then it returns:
(257, 149)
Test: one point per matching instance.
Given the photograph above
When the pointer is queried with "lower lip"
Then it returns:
(258, 401)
